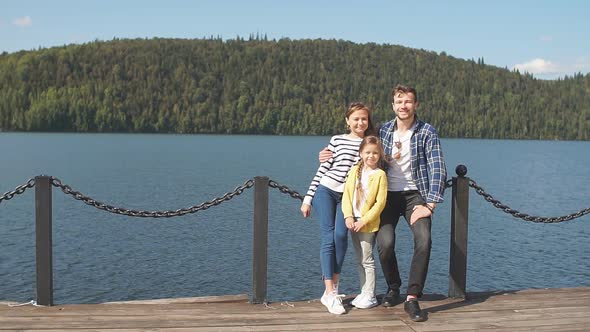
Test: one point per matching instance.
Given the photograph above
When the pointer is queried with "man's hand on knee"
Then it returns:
(419, 212)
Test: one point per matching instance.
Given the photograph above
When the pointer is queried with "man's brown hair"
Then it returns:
(403, 90)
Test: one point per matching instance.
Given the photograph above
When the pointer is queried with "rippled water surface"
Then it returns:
(101, 257)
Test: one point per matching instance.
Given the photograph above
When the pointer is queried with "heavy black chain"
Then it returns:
(18, 190)
(521, 215)
(248, 184)
(285, 190)
(150, 214)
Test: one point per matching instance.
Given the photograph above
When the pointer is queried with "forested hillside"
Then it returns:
(286, 87)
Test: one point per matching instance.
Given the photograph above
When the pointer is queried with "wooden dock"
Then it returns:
(566, 309)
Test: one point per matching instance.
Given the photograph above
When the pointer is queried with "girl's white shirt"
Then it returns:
(365, 185)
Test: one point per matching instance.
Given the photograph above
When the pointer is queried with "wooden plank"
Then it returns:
(538, 309)
(240, 298)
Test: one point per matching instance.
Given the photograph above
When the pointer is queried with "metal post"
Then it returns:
(43, 235)
(260, 241)
(459, 221)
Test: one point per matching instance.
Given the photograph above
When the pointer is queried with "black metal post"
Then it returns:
(260, 241)
(43, 235)
(459, 221)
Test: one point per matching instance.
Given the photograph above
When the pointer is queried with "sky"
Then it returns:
(548, 39)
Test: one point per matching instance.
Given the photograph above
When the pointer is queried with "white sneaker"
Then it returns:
(334, 303)
(364, 301)
(358, 298)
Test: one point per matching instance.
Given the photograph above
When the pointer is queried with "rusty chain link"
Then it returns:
(18, 190)
(285, 190)
(150, 214)
(521, 215)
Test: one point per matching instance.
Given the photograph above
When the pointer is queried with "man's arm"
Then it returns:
(437, 172)
(325, 155)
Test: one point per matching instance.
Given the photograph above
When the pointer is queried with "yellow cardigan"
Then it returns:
(375, 203)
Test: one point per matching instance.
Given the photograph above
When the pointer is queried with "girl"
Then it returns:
(364, 198)
(325, 193)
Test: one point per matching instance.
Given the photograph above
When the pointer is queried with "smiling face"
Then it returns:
(358, 122)
(370, 154)
(404, 106)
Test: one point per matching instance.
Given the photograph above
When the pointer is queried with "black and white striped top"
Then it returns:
(332, 173)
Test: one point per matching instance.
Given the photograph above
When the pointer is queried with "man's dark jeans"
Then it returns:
(401, 203)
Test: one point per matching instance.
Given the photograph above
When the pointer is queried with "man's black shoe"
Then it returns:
(391, 298)
(413, 309)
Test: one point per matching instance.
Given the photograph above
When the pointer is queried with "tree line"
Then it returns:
(279, 87)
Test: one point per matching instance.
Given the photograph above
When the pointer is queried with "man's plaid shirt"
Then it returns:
(428, 166)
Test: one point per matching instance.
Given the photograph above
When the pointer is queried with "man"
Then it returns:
(416, 182)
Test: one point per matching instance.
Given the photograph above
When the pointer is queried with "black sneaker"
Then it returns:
(391, 298)
(413, 309)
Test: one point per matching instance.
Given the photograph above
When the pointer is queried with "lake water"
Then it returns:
(100, 257)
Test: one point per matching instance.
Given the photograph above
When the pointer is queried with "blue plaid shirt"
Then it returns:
(428, 166)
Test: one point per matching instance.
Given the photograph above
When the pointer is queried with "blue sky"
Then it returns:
(549, 39)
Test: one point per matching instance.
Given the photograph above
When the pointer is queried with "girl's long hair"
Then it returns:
(381, 163)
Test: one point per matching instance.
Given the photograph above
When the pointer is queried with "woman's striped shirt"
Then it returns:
(332, 173)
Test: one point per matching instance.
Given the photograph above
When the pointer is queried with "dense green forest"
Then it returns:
(285, 87)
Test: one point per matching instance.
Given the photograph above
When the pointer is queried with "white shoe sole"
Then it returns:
(365, 306)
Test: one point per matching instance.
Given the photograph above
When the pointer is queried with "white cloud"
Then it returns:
(538, 66)
(546, 69)
(24, 21)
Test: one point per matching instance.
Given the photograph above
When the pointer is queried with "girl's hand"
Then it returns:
(305, 210)
(358, 225)
(349, 223)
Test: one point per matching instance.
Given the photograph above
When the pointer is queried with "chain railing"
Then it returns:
(150, 214)
(68, 190)
(18, 190)
(547, 220)
(459, 222)
(285, 190)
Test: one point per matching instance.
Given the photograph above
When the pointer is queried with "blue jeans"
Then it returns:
(333, 232)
